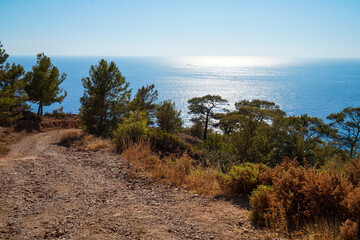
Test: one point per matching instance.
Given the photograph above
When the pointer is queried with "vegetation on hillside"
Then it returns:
(299, 172)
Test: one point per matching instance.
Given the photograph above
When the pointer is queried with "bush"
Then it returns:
(133, 129)
(352, 204)
(242, 179)
(220, 159)
(352, 169)
(349, 230)
(213, 142)
(260, 202)
(197, 130)
(323, 194)
(168, 144)
(303, 194)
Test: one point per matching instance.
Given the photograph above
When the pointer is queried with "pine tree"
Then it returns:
(144, 101)
(105, 100)
(12, 94)
(203, 108)
(43, 83)
(168, 118)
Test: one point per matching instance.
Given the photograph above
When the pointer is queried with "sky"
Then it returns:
(271, 28)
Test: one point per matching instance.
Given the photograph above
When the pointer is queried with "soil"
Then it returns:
(48, 191)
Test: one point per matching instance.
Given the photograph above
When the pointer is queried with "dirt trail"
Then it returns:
(52, 192)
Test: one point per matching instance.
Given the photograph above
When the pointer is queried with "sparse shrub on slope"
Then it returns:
(241, 179)
(181, 172)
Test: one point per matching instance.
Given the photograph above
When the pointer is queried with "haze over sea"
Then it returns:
(317, 87)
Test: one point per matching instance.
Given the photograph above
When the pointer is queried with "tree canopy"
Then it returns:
(145, 100)
(202, 108)
(105, 100)
(43, 83)
(346, 124)
(168, 118)
(12, 94)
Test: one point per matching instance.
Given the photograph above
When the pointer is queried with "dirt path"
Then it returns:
(52, 192)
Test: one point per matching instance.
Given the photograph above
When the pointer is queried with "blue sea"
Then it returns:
(317, 87)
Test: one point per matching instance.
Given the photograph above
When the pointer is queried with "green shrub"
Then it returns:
(132, 129)
(242, 179)
(167, 143)
(260, 202)
(221, 159)
(213, 142)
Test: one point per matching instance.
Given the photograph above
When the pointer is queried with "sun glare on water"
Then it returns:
(228, 61)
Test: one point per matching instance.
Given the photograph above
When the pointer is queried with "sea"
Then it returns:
(317, 87)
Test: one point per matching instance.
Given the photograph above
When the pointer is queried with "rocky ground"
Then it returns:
(48, 191)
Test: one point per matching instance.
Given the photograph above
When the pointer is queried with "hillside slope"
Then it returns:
(49, 191)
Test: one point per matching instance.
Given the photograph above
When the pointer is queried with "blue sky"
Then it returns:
(274, 28)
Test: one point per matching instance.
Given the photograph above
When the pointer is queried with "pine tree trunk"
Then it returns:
(40, 109)
(206, 125)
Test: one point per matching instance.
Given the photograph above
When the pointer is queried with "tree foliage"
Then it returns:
(168, 118)
(203, 107)
(105, 100)
(260, 110)
(43, 83)
(145, 100)
(259, 131)
(12, 94)
(346, 125)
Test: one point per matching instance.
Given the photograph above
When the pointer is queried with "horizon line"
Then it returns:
(179, 56)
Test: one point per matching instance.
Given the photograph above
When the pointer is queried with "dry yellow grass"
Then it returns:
(3, 150)
(69, 137)
(91, 143)
(179, 172)
(84, 142)
(326, 229)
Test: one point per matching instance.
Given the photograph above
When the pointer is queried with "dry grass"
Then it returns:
(321, 230)
(3, 150)
(181, 172)
(91, 143)
(327, 229)
(68, 138)
(84, 142)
